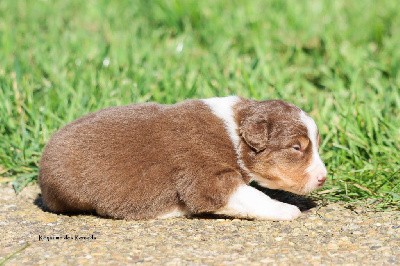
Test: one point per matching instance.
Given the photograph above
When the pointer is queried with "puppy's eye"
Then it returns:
(296, 147)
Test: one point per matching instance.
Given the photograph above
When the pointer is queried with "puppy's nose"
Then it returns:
(322, 176)
(321, 180)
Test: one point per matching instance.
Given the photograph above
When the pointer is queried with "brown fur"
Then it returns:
(142, 161)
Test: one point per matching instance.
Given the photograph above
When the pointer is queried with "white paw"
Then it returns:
(287, 212)
(248, 202)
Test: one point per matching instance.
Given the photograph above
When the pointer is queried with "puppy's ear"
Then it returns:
(254, 131)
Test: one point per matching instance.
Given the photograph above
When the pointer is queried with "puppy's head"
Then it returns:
(281, 147)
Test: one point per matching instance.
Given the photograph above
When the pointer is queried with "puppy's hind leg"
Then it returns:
(248, 202)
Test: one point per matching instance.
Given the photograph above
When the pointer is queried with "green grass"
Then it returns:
(338, 60)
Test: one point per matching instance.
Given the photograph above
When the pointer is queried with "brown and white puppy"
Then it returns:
(150, 160)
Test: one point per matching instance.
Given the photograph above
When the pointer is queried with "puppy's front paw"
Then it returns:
(288, 212)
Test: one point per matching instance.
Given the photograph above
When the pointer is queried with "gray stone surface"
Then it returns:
(331, 234)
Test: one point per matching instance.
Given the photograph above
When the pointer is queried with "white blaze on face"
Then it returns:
(316, 170)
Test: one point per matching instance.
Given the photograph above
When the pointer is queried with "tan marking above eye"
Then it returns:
(304, 142)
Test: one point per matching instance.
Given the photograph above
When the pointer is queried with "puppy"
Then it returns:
(145, 161)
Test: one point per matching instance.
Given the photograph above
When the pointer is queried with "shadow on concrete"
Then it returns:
(39, 202)
(302, 202)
